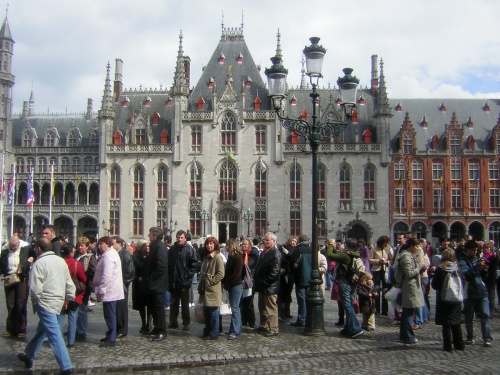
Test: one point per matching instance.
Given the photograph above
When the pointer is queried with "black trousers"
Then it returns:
(248, 311)
(155, 306)
(16, 298)
(179, 296)
(453, 334)
(122, 314)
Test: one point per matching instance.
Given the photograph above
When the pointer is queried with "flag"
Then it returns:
(3, 186)
(78, 180)
(52, 184)
(195, 168)
(31, 195)
(476, 179)
(230, 156)
(263, 167)
(12, 187)
(441, 179)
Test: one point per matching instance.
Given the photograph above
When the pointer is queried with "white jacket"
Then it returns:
(50, 282)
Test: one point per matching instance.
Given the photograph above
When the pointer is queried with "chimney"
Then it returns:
(118, 87)
(88, 115)
(374, 83)
(25, 110)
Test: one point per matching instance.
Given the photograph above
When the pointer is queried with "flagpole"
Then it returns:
(13, 170)
(51, 190)
(3, 197)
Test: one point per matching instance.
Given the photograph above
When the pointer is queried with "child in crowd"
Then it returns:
(366, 296)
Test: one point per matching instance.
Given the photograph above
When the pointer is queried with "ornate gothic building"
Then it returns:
(214, 158)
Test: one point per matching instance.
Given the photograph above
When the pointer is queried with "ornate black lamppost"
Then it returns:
(248, 217)
(315, 133)
(205, 216)
(172, 227)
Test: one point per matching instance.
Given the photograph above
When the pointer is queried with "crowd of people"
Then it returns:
(62, 279)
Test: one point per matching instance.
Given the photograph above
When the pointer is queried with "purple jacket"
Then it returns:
(108, 281)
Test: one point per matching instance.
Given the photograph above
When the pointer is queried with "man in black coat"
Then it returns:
(267, 283)
(183, 263)
(49, 232)
(156, 281)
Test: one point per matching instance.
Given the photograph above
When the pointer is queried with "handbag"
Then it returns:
(355, 304)
(13, 278)
(79, 285)
(201, 286)
(247, 292)
(392, 294)
(199, 315)
(225, 309)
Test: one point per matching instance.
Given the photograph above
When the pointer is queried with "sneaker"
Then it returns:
(185, 327)
(91, 304)
(6, 334)
(191, 304)
(339, 323)
(360, 333)
(470, 342)
(487, 343)
(21, 335)
(413, 342)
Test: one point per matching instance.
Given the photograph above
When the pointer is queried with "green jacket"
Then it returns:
(212, 271)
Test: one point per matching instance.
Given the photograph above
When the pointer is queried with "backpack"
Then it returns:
(356, 268)
(452, 291)
(396, 274)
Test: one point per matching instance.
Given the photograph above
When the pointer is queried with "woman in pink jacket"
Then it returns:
(108, 286)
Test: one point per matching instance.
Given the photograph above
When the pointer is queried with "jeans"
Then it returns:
(49, 325)
(328, 280)
(82, 321)
(418, 312)
(211, 321)
(72, 314)
(346, 290)
(481, 307)
(167, 300)
(301, 293)
(406, 333)
(235, 294)
(109, 310)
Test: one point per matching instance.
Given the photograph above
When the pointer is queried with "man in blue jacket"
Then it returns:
(476, 297)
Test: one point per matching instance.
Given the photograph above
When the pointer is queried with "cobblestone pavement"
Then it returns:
(291, 352)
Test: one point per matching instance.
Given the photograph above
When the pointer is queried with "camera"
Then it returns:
(73, 305)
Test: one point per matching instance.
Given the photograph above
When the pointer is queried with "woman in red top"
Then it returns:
(75, 270)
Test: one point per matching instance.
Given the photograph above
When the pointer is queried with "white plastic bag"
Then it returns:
(393, 294)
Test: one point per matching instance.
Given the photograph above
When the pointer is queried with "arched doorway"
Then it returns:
(227, 222)
(358, 232)
(439, 229)
(476, 230)
(494, 233)
(420, 229)
(457, 230)
(87, 226)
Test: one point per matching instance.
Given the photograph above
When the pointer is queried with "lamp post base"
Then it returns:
(315, 320)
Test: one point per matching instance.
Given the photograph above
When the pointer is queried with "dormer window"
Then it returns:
(471, 142)
(72, 140)
(50, 139)
(399, 108)
(367, 137)
(442, 107)
(435, 143)
(361, 100)
(248, 82)
(303, 115)
(163, 137)
(211, 83)
(354, 116)
(222, 58)
(293, 101)
(117, 137)
(486, 107)
(230, 81)
(424, 123)
(147, 102)
(201, 104)
(257, 103)
(126, 102)
(338, 101)
(240, 59)
(169, 101)
(156, 118)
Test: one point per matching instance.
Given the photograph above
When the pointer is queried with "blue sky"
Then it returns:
(433, 49)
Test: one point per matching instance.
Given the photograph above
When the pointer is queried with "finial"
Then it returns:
(242, 16)
(278, 46)
(7, 10)
(222, 24)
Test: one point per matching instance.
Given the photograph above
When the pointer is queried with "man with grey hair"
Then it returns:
(267, 284)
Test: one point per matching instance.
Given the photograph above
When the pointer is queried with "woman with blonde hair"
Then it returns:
(448, 315)
(232, 282)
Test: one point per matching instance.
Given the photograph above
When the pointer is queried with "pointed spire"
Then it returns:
(32, 101)
(180, 85)
(5, 30)
(382, 107)
(107, 110)
(303, 81)
(278, 44)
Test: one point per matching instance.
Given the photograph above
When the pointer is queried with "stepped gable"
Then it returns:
(436, 118)
(232, 48)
